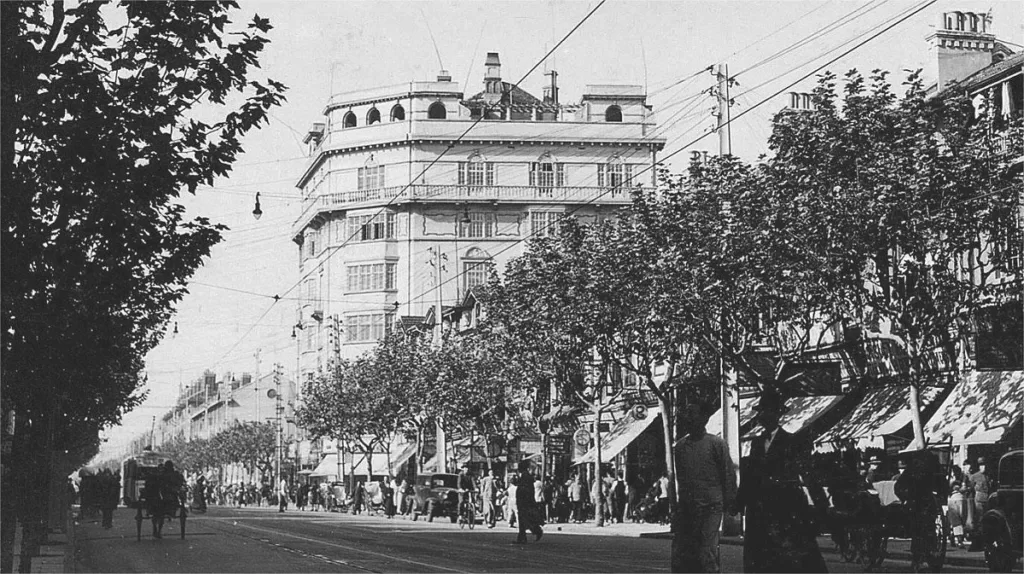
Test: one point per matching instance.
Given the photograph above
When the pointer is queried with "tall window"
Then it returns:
(367, 327)
(614, 174)
(475, 273)
(373, 117)
(547, 174)
(476, 171)
(349, 121)
(371, 277)
(312, 238)
(371, 177)
(479, 225)
(370, 228)
(397, 113)
(544, 223)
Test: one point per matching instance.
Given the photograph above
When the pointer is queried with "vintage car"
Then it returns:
(436, 495)
(1002, 524)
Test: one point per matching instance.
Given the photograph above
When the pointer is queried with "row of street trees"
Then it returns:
(406, 385)
(248, 444)
(109, 114)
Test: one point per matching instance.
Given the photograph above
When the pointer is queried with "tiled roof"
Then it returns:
(986, 75)
(520, 99)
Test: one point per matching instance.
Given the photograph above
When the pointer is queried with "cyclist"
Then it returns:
(466, 487)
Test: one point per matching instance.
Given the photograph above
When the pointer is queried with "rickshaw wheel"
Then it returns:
(138, 524)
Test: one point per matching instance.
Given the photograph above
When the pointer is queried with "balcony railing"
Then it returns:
(461, 193)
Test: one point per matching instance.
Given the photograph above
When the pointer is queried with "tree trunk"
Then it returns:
(915, 415)
(665, 407)
(598, 484)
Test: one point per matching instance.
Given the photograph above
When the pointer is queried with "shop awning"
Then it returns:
(881, 412)
(714, 425)
(618, 437)
(802, 412)
(980, 410)
(328, 466)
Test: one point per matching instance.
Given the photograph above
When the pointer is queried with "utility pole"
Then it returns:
(731, 526)
(437, 259)
(280, 431)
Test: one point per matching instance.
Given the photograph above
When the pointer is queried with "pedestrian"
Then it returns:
(781, 529)
(282, 495)
(663, 486)
(488, 494)
(538, 494)
(527, 505)
(635, 495)
(387, 492)
(510, 497)
(108, 491)
(357, 498)
(956, 506)
(619, 497)
(707, 485)
(199, 494)
(576, 498)
(303, 497)
(982, 486)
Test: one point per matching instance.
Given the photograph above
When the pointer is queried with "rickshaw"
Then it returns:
(135, 471)
(873, 516)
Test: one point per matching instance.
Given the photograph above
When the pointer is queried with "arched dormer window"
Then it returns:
(398, 113)
(613, 114)
(349, 121)
(546, 174)
(373, 117)
(437, 111)
(476, 171)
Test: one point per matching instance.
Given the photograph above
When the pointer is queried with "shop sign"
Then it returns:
(559, 444)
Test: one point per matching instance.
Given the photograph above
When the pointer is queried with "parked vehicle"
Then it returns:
(1002, 525)
(436, 495)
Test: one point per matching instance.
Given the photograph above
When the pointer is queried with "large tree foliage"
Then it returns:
(109, 113)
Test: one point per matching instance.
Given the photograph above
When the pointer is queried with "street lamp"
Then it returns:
(257, 212)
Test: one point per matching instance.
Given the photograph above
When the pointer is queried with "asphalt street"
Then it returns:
(263, 540)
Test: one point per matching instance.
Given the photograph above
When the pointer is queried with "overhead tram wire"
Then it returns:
(425, 169)
(734, 118)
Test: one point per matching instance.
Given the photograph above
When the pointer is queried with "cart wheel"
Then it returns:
(935, 555)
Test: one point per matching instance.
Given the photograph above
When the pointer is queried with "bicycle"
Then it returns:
(467, 509)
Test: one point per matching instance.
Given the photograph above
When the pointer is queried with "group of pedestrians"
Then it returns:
(968, 496)
(99, 492)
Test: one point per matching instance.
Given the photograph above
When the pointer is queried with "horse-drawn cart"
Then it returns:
(155, 490)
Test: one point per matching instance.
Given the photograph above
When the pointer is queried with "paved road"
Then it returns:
(262, 540)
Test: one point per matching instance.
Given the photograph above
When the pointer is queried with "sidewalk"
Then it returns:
(55, 556)
(898, 549)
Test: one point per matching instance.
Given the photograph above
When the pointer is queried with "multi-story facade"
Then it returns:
(414, 192)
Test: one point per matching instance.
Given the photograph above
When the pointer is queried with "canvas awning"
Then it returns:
(881, 412)
(983, 406)
(714, 425)
(802, 412)
(328, 466)
(618, 438)
(401, 451)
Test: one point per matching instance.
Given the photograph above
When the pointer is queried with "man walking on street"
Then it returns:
(489, 494)
(707, 485)
(282, 495)
(526, 504)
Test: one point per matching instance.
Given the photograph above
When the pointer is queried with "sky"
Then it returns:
(230, 323)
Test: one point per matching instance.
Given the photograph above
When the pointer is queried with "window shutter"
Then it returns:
(380, 176)
(362, 179)
(600, 175)
(533, 174)
(559, 175)
(629, 174)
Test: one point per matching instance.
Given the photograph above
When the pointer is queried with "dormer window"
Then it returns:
(437, 111)
(349, 121)
(613, 114)
(373, 117)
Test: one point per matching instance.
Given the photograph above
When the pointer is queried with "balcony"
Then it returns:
(572, 195)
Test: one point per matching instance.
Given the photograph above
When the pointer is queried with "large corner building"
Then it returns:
(414, 192)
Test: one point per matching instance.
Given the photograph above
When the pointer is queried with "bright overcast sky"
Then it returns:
(319, 47)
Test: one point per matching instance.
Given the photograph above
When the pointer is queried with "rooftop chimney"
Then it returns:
(492, 78)
(962, 46)
(444, 76)
(551, 90)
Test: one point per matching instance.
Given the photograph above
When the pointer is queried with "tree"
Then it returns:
(251, 444)
(101, 133)
(925, 193)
